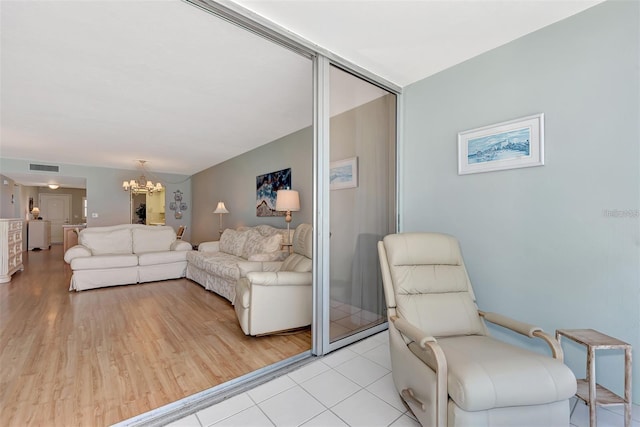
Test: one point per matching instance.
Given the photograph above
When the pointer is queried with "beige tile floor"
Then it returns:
(350, 387)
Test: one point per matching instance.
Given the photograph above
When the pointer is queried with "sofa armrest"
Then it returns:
(76, 251)
(181, 245)
(279, 278)
(209, 247)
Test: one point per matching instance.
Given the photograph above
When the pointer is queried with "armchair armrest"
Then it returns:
(525, 329)
(279, 278)
(412, 332)
(209, 247)
(181, 245)
(436, 361)
(76, 251)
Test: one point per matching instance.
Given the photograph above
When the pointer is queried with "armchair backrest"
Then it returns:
(426, 283)
(301, 258)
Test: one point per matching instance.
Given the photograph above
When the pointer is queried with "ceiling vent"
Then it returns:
(44, 168)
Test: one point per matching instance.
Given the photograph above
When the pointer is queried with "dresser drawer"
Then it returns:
(15, 248)
(15, 237)
(15, 225)
(14, 261)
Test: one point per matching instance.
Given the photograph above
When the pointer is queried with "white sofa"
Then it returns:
(126, 254)
(274, 301)
(217, 266)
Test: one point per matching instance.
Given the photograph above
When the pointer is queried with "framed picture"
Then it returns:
(267, 187)
(344, 174)
(514, 144)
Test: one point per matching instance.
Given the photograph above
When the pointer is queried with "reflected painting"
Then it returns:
(344, 174)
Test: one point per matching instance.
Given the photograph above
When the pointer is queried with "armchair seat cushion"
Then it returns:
(486, 373)
(104, 262)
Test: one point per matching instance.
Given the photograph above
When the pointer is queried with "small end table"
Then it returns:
(589, 391)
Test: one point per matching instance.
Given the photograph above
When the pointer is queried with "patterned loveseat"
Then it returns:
(217, 266)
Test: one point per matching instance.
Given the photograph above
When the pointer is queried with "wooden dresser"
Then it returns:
(10, 248)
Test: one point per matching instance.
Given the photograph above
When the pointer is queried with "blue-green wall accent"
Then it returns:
(556, 245)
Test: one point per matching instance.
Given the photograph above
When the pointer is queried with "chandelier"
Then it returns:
(141, 185)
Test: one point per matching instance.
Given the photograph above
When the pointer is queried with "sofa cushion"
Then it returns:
(107, 242)
(153, 258)
(152, 239)
(232, 242)
(219, 264)
(104, 261)
(256, 243)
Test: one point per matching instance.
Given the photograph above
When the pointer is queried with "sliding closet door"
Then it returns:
(362, 134)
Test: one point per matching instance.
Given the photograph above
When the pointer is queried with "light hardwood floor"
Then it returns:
(97, 357)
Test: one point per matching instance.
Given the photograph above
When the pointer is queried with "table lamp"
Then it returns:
(220, 209)
(287, 201)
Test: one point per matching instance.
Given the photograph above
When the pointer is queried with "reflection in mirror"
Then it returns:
(362, 196)
(147, 208)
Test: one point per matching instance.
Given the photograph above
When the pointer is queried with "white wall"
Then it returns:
(105, 196)
(7, 198)
(537, 242)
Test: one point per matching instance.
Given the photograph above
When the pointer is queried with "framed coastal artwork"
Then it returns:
(267, 187)
(343, 174)
(508, 145)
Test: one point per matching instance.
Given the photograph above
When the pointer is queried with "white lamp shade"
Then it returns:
(221, 209)
(287, 200)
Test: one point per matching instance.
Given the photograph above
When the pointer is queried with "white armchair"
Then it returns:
(444, 363)
(274, 301)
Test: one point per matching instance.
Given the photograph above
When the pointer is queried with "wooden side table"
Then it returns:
(589, 391)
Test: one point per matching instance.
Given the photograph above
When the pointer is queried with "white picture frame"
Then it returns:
(343, 174)
(513, 144)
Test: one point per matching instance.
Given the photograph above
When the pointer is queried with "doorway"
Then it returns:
(57, 209)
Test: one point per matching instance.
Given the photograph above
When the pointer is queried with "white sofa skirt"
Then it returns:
(100, 278)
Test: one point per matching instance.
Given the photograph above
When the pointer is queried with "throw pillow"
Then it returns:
(107, 242)
(257, 244)
(232, 242)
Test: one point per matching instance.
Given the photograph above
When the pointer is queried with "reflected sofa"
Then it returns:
(126, 254)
